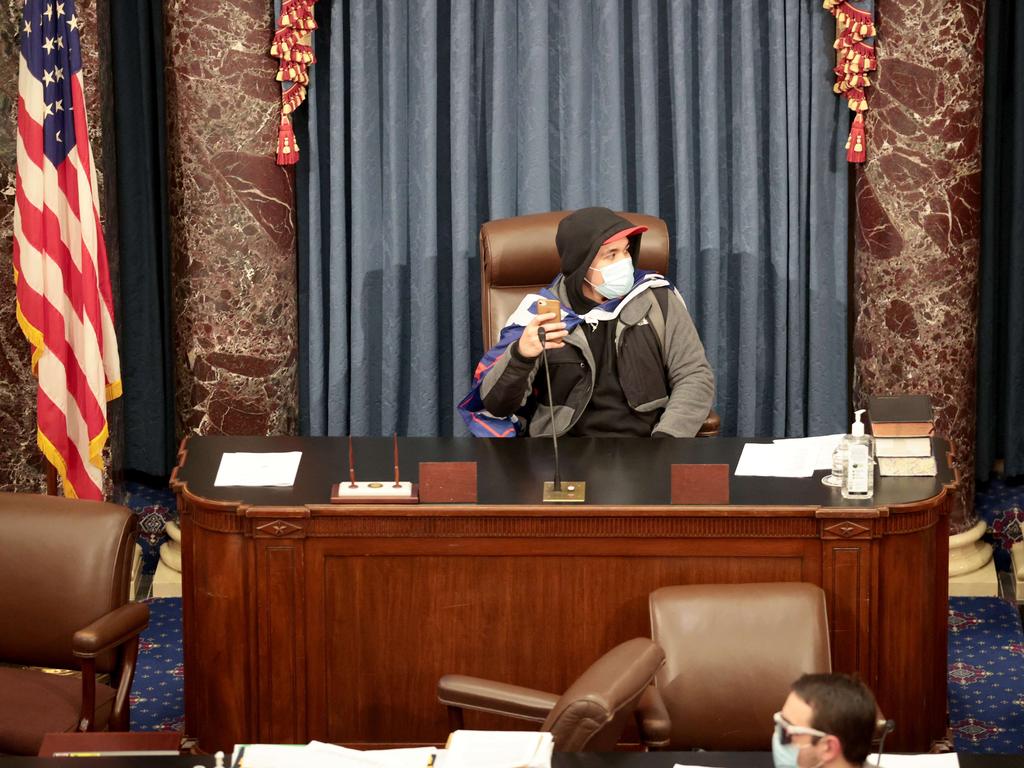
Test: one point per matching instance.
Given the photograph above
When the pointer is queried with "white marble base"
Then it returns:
(167, 579)
(166, 582)
(136, 571)
(971, 569)
(1017, 556)
(980, 583)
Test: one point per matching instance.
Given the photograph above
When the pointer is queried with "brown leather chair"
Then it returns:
(64, 574)
(732, 651)
(518, 256)
(590, 716)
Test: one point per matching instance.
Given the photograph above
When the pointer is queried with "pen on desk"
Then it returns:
(238, 757)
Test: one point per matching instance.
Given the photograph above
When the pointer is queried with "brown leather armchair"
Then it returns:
(732, 651)
(518, 256)
(589, 716)
(64, 575)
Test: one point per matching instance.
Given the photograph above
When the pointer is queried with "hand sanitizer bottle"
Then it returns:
(859, 478)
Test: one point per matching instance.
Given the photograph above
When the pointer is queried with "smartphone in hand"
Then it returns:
(549, 306)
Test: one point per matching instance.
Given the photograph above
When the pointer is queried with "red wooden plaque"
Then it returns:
(700, 483)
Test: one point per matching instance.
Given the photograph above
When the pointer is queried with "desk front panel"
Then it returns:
(387, 618)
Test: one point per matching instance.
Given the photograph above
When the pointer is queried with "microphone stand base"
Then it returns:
(571, 491)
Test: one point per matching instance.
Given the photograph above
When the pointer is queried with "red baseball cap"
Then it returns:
(624, 233)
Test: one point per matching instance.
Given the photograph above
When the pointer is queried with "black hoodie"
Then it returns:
(580, 236)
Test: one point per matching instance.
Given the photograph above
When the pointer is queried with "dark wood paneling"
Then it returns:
(219, 677)
(392, 625)
(281, 634)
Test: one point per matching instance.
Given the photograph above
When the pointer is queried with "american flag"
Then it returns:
(60, 260)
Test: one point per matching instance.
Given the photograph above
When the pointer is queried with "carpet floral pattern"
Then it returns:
(985, 675)
(157, 697)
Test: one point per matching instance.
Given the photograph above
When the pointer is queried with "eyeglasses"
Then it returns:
(787, 730)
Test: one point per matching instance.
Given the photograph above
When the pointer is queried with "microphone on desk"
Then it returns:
(574, 491)
(885, 727)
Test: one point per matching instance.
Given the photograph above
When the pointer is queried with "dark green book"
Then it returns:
(901, 415)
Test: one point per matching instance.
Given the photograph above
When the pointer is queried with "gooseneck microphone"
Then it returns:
(542, 335)
(553, 491)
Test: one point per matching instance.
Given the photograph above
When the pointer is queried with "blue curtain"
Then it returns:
(143, 225)
(1000, 309)
(426, 119)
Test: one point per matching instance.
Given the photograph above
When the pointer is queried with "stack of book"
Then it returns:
(902, 426)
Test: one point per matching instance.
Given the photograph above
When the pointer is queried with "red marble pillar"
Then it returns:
(919, 218)
(232, 222)
(22, 467)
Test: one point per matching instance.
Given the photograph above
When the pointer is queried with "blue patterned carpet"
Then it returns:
(986, 675)
(157, 698)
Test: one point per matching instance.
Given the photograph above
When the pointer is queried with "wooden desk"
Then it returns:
(308, 620)
(558, 760)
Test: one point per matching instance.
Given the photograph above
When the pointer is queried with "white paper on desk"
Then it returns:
(498, 749)
(405, 757)
(773, 460)
(817, 450)
(945, 760)
(254, 469)
(276, 756)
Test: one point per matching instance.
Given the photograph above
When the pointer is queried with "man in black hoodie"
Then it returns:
(625, 359)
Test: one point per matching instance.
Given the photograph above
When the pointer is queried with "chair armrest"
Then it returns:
(652, 719)
(498, 698)
(712, 425)
(110, 630)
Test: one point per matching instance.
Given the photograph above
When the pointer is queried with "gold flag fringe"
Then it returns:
(855, 58)
(292, 46)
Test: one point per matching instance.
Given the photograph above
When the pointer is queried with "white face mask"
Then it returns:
(618, 279)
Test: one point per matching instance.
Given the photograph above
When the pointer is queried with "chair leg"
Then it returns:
(87, 717)
(455, 722)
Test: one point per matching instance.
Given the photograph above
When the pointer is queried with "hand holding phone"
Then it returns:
(530, 344)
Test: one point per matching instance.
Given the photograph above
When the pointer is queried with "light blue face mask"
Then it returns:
(788, 755)
(618, 279)
(784, 755)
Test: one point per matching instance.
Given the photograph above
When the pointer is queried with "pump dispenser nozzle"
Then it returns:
(857, 428)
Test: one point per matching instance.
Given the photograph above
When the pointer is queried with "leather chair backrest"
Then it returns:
(518, 256)
(732, 651)
(63, 564)
(591, 715)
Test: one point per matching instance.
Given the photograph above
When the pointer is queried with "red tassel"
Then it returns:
(287, 149)
(856, 149)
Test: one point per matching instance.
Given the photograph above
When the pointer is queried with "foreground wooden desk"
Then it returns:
(305, 620)
(558, 760)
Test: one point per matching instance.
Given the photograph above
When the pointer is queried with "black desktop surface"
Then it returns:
(618, 471)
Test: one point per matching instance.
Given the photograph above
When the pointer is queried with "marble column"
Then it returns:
(21, 465)
(919, 219)
(232, 222)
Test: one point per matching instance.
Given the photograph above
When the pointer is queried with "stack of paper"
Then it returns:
(498, 749)
(258, 469)
(944, 760)
(787, 457)
(317, 754)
